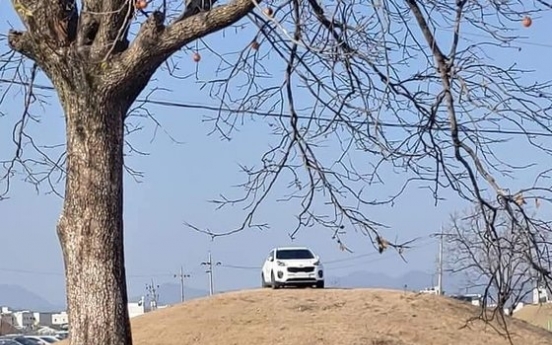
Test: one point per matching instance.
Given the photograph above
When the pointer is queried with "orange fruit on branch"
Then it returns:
(527, 21)
(141, 4)
(268, 12)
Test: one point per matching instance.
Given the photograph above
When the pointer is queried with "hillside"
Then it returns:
(539, 315)
(323, 317)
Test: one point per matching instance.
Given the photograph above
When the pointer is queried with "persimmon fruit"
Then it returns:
(141, 4)
(269, 12)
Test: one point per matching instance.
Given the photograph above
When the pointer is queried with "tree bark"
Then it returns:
(91, 225)
(97, 76)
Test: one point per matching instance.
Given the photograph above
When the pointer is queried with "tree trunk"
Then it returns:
(90, 228)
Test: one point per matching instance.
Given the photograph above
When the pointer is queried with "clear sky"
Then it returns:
(180, 179)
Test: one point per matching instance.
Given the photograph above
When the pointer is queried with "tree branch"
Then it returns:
(194, 7)
(155, 42)
(51, 24)
(22, 43)
(112, 27)
(183, 32)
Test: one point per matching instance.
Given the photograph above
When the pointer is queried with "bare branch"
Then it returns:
(365, 100)
(504, 264)
(155, 42)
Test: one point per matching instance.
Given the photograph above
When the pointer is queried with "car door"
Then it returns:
(267, 267)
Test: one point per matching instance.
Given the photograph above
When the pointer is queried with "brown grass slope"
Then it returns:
(324, 317)
(537, 315)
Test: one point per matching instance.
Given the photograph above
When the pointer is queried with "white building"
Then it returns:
(43, 319)
(141, 307)
(24, 319)
(473, 298)
(138, 308)
(60, 318)
(434, 290)
(540, 295)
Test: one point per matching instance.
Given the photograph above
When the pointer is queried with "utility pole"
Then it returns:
(153, 294)
(440, 263)
(181, 275)
(209, 263)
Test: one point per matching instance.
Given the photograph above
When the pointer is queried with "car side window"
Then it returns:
(271, 256)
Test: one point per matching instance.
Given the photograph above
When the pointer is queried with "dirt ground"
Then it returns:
(325, 317)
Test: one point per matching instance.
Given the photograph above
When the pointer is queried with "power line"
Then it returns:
(241, 267)
(259, 113)
(209, 263)
(380, 258)
(427, 241)
(50, 273)
(326, 263)
(339, 120)
(356, 257)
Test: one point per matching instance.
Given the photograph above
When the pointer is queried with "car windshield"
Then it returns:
(293, 254)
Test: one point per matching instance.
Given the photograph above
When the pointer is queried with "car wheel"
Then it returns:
(320, 284)
(274, 284)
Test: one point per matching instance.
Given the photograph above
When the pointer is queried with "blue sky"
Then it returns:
(180, 179)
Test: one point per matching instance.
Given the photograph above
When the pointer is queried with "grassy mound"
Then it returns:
(325, 317)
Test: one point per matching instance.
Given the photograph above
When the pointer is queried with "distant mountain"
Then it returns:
(414, 280)
(18, 298)
(169, 293)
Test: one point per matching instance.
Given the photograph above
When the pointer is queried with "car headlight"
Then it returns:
(280, 263)
(316, 263)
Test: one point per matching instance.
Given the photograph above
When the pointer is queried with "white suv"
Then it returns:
(297, 266)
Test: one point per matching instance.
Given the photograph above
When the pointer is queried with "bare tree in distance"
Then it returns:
(500, 265)
(367, 77)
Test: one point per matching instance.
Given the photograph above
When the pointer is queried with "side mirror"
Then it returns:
(270, 259)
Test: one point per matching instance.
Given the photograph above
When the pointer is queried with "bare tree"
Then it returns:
(371, 76)
(500, 265)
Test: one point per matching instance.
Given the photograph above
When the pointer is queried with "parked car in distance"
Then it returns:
(61, 335)
(292, 266)
(49, 338)
(43, 340)
(21, 340)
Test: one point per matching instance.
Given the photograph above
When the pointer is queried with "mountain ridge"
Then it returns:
(16, 297)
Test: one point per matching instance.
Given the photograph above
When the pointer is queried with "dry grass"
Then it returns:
(325, 317)
(537, 315)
